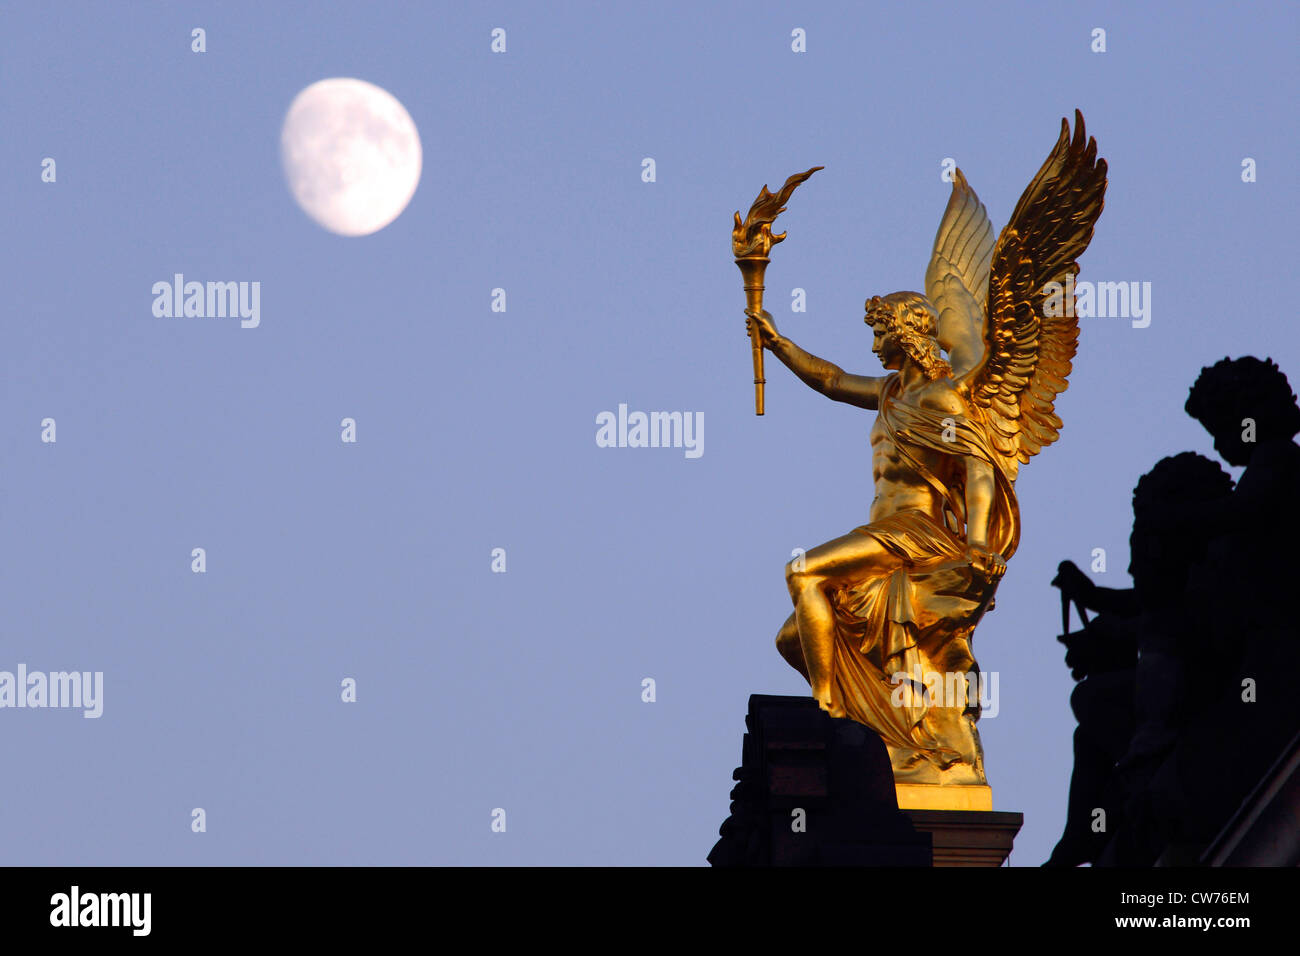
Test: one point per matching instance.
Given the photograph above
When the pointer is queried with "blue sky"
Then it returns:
(476, 429)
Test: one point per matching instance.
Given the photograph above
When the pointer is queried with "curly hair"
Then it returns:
(1231, 390)
(912, 319)
(1185, 477)
(1161, 558)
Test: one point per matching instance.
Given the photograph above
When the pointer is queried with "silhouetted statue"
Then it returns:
(1242, 707)
(1170, 675)
(1213, 568)
(1127, 707)
(1248, 407)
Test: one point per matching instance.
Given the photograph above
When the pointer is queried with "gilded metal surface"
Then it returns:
(974, 366)
(925, 796)
(751, 244)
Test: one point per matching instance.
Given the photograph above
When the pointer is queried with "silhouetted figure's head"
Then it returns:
(1231, 394)
(1160, 559)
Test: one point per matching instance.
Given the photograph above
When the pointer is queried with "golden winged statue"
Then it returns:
(884, 616)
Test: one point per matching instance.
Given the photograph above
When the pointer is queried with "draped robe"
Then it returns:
(918, 617)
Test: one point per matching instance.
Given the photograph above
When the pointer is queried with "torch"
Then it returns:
(751, 242)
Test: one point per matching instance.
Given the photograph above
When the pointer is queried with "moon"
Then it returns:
(351, 155)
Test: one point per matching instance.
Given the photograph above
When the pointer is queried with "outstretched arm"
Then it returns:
(826, 377)
(1078, 587)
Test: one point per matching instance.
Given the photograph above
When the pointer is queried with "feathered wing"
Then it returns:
(957, 279)
(1029, 345)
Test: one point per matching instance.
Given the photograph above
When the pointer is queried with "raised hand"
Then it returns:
(762, 321)
(1074, 584)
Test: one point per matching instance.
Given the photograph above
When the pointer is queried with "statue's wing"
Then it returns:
(1028, 349)
(957, 279)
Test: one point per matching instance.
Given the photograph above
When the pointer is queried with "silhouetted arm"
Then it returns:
(1078, 587)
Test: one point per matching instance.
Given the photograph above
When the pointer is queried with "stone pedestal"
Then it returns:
(816, 791)
(968, 837)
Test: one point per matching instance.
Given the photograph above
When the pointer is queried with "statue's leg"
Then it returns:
(787, 643)
(836, 564)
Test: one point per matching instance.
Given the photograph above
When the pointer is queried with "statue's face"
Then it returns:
(1228, 443)
(1227, 433)
(886, 346)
